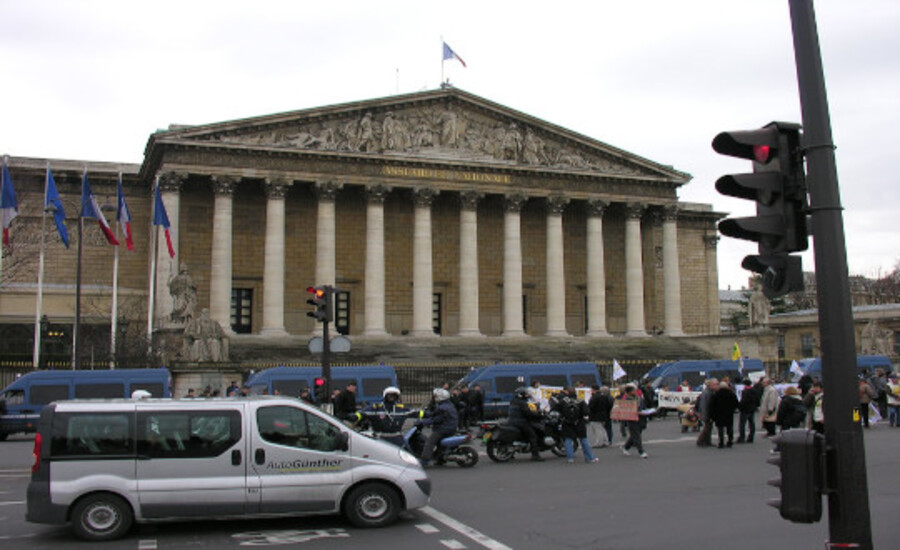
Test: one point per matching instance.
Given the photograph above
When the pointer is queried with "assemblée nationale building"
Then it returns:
(434, 213)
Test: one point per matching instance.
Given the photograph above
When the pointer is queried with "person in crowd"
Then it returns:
(443, 420)
(477, 403)
(879, 385)
(233, 389)
(463, 405)
(635, 427)
(345, 402)
(791, 411)
(866, 395)
(769, 406)
(574, 413)
(306, 396)
(600, 426)
(722, 405)
(685, 386)
(190, 394)
(521, 414)
(813, 403)
(804, 384)
(751, 398)
(705, 437)
(893, 402)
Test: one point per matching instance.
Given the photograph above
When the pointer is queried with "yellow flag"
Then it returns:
(736, 352)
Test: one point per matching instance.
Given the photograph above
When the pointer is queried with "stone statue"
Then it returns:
(758, 309)
(874, 340)
(184, 296)
(204, 340)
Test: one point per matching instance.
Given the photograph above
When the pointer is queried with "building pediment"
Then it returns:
(446, 126)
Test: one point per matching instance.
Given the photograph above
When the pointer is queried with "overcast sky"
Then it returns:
(92, 79)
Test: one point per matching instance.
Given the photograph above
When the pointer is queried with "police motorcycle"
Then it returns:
(385, 421)
(505, 441)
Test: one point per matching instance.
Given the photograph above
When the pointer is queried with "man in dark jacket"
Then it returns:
(521, 414)
(345, 402)
(574, 425)
(443, 421)
(476, 401)
(722, 406)
(749, 404)
(600, 405)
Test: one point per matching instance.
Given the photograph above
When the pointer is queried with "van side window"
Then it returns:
(289, 387)
(558, 380)
(188, 434)
(43, 394)
(293, 427)
(92, 435)
(374, 386)
(99, 391)
(587, 380)
(508, 384)
(13, 397)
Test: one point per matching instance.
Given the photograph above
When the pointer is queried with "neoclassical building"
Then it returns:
(434, 213)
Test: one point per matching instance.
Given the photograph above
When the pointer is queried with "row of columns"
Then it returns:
(423, 283)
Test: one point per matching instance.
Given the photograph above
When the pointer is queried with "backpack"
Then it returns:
(570, 410)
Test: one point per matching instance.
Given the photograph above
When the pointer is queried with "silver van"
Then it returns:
(101, 465)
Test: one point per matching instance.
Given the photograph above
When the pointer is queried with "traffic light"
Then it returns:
(319, 391)
(778, 186)
(800, 455)
(321, 299)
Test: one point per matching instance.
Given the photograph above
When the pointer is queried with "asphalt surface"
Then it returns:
(681, 497)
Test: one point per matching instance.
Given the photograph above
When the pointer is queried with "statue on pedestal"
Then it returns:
(758, 309)
(204, 340)
(184, 296)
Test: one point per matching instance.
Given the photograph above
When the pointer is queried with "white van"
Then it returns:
(103, 464)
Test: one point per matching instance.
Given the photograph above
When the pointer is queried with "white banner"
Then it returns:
(672, 399)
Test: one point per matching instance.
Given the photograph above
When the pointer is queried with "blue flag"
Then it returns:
(55, 205)
(9, 206)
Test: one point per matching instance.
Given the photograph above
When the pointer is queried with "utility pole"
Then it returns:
(847, 487)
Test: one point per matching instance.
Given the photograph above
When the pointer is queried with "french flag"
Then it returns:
(160, 217)
(450, 54)
(90, 209)
(9, 206)
(123, 215)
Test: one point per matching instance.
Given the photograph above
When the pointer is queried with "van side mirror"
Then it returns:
(342, 441)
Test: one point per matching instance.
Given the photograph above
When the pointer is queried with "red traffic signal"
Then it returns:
(319, 382)
(321, 299)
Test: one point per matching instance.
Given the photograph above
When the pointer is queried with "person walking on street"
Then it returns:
(600, 405)
(574, 413)
(751, 397)
(880, 386)
(635, 427)
(894, 400)
(722, 406)
(866, 395)
(813, 403)
(769, 406)
(705, 437)
(477, 403)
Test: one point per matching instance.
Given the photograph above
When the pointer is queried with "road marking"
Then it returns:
(464, 529)
(427, 528)
(147, 544)
(11, 537)
(453, 544)
(12, 503)
(274, 538)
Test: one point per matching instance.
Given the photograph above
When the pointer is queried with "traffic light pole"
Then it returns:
(326, 360)
(848, 496)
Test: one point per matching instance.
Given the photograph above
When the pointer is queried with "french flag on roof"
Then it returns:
(123, 215)
(91, 209)
(450, 54)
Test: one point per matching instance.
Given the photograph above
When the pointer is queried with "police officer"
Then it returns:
(388, 415)
(521, 414)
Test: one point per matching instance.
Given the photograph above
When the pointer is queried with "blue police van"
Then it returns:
(290, 381)
(499, 382)
(697, 371)
(22, 401)
(813, 366)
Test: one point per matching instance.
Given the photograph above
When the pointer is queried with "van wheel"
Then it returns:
(101, 517)
(372, 505)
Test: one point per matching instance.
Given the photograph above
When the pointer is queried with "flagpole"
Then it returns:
(113, 325)
(154, 234)
(77, 324)
(39, 303)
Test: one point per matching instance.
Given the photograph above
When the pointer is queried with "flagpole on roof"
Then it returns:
(39, 303)
(154, 233)
(113, 325)
(442, 62)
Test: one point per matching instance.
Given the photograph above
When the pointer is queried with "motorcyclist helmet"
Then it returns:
(391, 390)
(522, 392)
(441, 395)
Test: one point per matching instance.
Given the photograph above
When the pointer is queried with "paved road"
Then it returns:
(681, 497)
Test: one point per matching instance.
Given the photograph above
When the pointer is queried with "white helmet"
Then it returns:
(390, 389)
(441, 394)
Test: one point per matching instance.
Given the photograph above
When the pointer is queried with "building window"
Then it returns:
(781, 346)
(342, 312)
(525, 313)
(436, 310)
(896, 343)
(807, 345)
(242, 310)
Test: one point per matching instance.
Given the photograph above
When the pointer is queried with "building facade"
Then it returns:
(434, 213)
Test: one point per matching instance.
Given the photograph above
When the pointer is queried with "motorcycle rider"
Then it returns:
(521, 414)
(443, 421)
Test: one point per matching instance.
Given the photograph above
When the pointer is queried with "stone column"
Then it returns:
(423, 274)
(374, 297)
(273, 270)
(326, 191)
(634, 271)
(513, 316)
(556, 276)
(167, 267)
(468, 264)
(596, 276)
(671, 276)
(711, 242)
(221, 260)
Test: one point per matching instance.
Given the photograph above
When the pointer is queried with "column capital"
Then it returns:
(172, 181)
(711, 241)
(327, 190)
(469, 199)
(556, 204)
(514, 202)
(634, 210)
(224, 185)
(670, 213)
(597, 207)
(276, 188)
(377, 193)
(424, 196)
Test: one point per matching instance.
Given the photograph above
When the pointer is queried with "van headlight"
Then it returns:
(408, 457)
